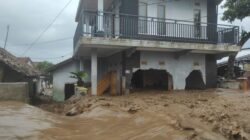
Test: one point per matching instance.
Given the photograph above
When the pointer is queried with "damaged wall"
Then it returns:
(179, 68)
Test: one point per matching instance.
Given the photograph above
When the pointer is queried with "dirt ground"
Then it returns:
(148, 115)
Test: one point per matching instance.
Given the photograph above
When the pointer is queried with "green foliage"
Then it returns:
(79, 76)
(244, 37)
(236, 9)
(44, 66)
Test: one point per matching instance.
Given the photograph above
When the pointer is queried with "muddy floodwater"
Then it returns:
(148, 115)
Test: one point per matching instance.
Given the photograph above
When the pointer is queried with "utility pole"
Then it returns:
(7, 35)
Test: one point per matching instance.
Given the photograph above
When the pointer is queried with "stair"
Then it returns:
(108, 81)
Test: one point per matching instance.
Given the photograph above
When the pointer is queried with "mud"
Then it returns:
(151, 115)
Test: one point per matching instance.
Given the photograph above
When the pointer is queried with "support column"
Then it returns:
(94, 71)
(100, 15)
(81, 65)
(123, 77)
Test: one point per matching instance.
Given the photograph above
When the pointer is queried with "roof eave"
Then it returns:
(78, 10)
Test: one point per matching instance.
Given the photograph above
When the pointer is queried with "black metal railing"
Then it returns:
(106, 24)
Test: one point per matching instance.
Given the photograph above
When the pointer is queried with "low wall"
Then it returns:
(14, 92)
(230, 85)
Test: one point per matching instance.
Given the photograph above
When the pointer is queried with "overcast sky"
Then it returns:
(28, 18)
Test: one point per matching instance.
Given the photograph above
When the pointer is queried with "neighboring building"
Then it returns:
(26, 60)
(13, 71)
(61, 76)
(151, 44)
(242, 66)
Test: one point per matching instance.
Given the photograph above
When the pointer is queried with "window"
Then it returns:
(143, 9)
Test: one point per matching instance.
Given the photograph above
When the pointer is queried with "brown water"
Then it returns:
(22, 121)
(157, 116)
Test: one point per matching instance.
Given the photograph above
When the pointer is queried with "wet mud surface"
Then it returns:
(148, 115)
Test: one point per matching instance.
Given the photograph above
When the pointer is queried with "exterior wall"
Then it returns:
(211, 71)
(179, 68)
(102, 66)
(180, 10)
(61, 76)
(113, 63)
(212, 11)
(87, 69)
(14, 92)
(132, 63)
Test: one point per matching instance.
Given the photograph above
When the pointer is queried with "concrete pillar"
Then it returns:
(123, 75)
(94, 71)
(100, 14)
(117, 20)
(81, 65)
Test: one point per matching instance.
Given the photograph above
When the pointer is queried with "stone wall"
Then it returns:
(14, 92)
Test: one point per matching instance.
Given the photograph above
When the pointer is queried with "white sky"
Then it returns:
(28, 18)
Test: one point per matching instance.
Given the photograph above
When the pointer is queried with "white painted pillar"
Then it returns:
(117, 19)
(81, 65)
(100, 14)
(94, 71)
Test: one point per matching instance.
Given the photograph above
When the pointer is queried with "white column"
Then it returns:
(81, 65)
(94, 71)
(117, 21)
(100, 15)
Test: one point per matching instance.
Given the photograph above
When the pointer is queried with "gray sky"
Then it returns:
(28, 18)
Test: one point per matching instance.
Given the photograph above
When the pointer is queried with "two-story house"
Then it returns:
(168, 44)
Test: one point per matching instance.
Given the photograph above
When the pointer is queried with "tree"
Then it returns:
(79, 76)
(236, 9)
(44, 66)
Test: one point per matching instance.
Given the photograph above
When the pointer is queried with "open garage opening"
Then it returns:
(152, 79)
(194, 81)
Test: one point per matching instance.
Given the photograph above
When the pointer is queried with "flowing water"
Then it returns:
(153, 117)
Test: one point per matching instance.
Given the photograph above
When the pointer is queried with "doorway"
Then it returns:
(152, 79)
(194, 81)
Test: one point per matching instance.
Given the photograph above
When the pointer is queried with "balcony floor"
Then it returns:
(107, 46)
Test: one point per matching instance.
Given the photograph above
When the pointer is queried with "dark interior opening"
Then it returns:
(152, 79)
(69, 91)
(194, 81)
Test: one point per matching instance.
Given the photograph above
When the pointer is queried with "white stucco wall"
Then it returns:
(180, 10)
(177, 10)
(61, 76)
(179, 68)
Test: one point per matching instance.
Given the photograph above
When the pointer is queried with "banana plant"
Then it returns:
(79, 77)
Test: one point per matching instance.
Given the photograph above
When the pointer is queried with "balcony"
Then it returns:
(124, 26)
